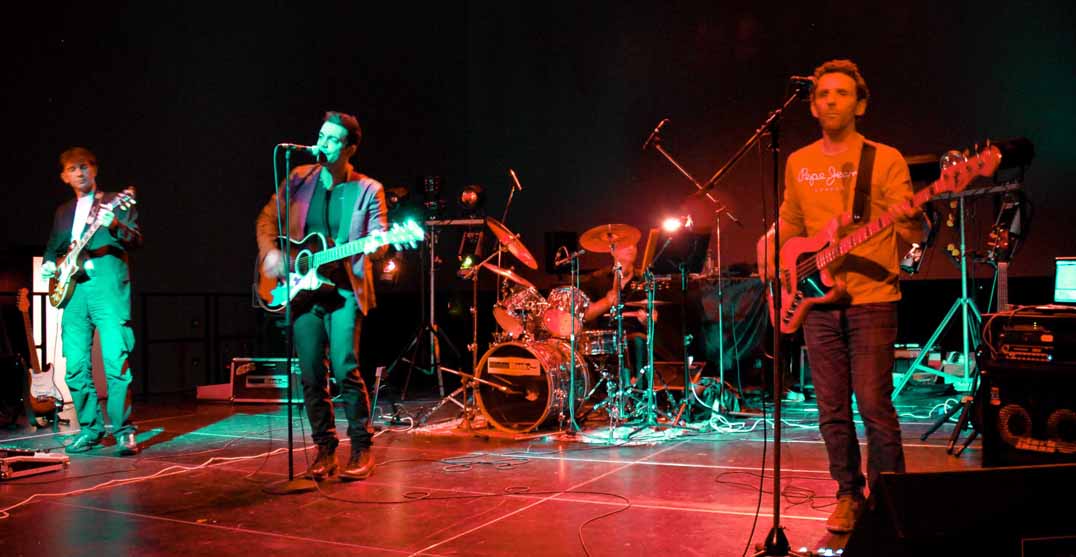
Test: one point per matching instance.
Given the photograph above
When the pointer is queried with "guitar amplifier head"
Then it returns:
(265, 380)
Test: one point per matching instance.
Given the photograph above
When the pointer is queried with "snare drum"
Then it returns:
(557, 318)
(520, 312)
(601, 342)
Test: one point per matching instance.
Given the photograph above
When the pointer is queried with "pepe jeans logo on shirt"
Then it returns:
(830, 179)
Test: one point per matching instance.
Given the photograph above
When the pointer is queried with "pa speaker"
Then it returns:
(1018, 510)
(1028, 413)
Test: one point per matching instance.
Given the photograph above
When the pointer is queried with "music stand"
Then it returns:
(683, 252)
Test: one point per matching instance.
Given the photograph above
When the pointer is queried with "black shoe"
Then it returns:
(360, 466)
(324, 465)
(128, 444)
(83, 442)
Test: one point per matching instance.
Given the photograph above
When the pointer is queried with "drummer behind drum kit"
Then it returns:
(522, 382)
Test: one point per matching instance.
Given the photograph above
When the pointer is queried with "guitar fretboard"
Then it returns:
(848, 243)
(348, 249)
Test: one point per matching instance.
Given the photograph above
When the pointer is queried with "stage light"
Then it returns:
(395, 196)
(390, 269)
(673, 224)
(431, 189)
(472, 199)
(470, 251)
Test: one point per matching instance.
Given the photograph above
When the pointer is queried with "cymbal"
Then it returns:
(509, 274)
(511, 242)
(642, 303)
(604, 237)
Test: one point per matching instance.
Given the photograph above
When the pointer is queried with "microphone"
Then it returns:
(515, 179)
(569, 257)
(654, 133)
(309, 149)
(802, 80)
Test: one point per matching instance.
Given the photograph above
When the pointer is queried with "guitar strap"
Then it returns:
(863, 181)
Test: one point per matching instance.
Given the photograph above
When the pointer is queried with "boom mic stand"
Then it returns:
(776, 541)
(655, 140)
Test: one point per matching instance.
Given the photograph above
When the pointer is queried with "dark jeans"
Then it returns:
(334, 320)
(851, 352)
(104, 304)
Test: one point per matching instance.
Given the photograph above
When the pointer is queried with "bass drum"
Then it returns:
(535, 377)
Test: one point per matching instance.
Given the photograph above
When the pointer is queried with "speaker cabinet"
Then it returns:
(1019, 510)
(1028, 413)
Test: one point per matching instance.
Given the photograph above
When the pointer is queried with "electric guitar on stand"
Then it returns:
(45, 397)
(62, 286)
(805, 262)
(306, 256)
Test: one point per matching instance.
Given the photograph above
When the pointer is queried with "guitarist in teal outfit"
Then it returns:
(100, 299)
(332, 199)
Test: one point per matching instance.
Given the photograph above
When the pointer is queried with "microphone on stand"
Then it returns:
(804, 84)
(309, 149)
(654, 133)
(568, 257)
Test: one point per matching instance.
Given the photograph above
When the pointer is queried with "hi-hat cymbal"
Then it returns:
(605, 237)
(509, 274)
(511, 242)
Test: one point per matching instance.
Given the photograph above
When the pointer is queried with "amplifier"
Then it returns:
(1028, 413)
(1032, 335)
(265, 380)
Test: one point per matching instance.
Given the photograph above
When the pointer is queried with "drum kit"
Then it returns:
(545, 365)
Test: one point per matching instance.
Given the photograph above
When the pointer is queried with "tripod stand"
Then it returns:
(971, 321)
(429, 331)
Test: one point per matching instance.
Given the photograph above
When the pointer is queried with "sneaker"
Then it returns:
(844, 517)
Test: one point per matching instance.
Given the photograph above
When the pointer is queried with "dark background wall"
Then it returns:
(185, 100)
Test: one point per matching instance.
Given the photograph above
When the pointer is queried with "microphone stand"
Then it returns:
(292, 484)
(504, 218)
(721, 208)
(776, 542)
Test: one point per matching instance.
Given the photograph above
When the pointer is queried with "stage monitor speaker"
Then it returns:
(264, 380)
(1019, 510)
(1028, 413)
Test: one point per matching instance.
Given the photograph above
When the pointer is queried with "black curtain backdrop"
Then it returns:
(185, 100)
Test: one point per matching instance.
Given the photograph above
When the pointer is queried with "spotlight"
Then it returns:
(472, 199)
(673, 224)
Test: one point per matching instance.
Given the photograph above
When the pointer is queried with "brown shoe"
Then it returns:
(324, 465)
(359, 466)
(843, 519)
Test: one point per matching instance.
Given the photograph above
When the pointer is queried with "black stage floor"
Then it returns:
(202, 486)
